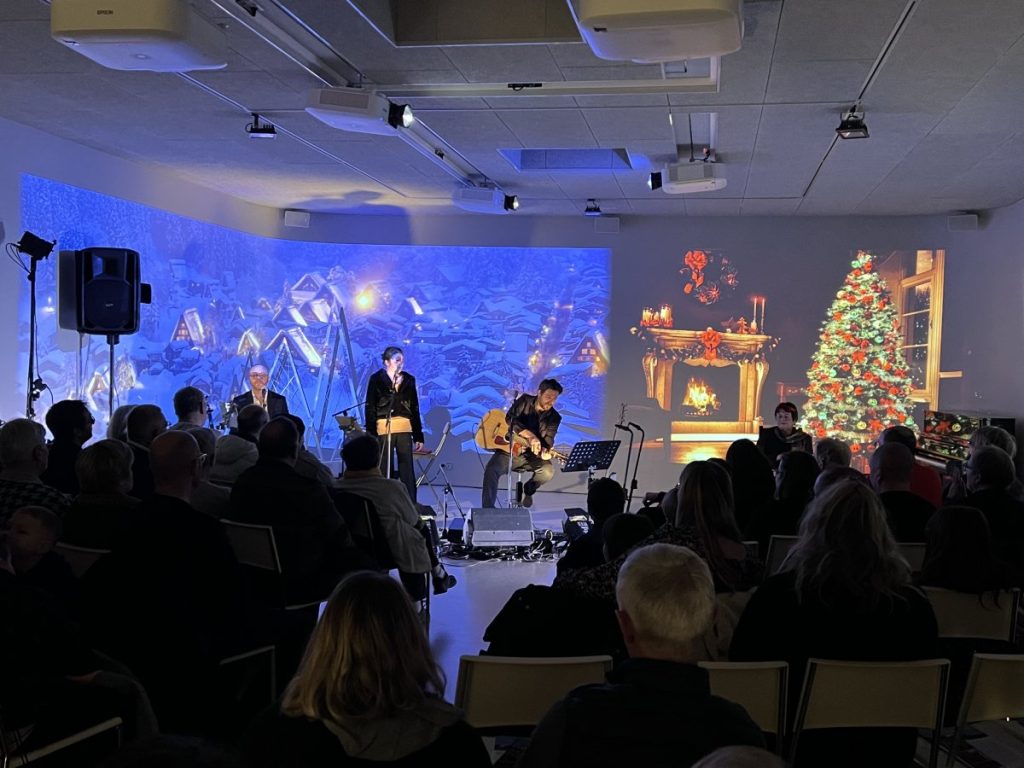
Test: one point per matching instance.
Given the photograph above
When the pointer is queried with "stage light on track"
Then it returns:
(852, 125)
(400, 115)
(511, 203)
(654, 180)
(260, 130)
(593, 208)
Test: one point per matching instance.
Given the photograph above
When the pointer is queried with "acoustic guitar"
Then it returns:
(492, 435)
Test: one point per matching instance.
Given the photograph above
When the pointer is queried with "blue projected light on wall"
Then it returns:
(476, 323)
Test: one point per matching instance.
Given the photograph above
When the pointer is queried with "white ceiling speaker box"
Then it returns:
(146, 35)
(687, 178)
(351, 109)
(651, 31)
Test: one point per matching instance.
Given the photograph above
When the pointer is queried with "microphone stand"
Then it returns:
(511, 453)
(636, 466)
(629, 452)
(391, 407)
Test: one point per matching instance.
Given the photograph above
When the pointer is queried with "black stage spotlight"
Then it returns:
(654, 180)
(400, 115)
(852, 125)
(593, 209)
(511, 203)
(258, 130)
(35, 246)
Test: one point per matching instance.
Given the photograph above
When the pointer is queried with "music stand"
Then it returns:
(591, 455)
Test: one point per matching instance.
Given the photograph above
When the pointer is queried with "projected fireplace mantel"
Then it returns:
(692, 440)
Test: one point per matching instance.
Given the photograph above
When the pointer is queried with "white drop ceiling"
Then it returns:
(945, 112)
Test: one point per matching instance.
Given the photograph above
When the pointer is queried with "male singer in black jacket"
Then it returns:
(272, 402)
(393, 390)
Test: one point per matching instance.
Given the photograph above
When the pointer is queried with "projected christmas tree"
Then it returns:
(858, 383)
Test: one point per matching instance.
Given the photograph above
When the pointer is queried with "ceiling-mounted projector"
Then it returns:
(144, 35)
(652, 31)
(687, 178)
(484, 200)
(358, 110)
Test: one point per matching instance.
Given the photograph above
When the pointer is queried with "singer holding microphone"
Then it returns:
(393, 416)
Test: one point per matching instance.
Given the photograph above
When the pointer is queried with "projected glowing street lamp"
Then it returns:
(365, 299)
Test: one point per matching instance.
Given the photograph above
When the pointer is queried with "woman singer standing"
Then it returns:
(393, 409)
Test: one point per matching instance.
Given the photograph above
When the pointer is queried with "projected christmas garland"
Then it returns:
(858, 383)
(711, 347)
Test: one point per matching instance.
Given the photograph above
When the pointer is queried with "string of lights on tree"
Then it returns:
(858, 383)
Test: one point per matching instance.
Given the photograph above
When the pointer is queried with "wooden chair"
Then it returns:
(861, 694)
(995, 691)
(913, 553)
(510, 694)
(81, 559)
(760, 687)
(963, 614)
(778, 549)
(10, 755)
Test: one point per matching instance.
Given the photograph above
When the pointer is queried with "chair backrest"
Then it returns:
(995, 688)
(778, 548)
(434, 454)
(753, 549)
(861, 694)
(964, 614)
(80, 559)
(760, 687)
(364, 524)
(913, 553)
(253, 545)
(508, 691)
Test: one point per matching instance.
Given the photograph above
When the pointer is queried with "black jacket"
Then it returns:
(524, 415)
(277, 405)
(406, 402)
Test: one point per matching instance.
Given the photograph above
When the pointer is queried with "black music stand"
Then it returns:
(588, 456)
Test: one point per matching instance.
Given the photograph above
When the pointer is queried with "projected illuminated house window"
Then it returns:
(915, 279)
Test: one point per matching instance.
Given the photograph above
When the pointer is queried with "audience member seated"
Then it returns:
(960, 554)
(33, 535)
(832, 452)
(70, 423)
(167, 602)
(784, 436)
(753, 483)
(307, 464)
(407, 537)
(833, 475)
(102, 512)
(622, 532)
(117, 428)
(892, 466)
(740, 757)
(312, 540)
(656, 708)
(168, 751)
(794, 483)
(990, 474)
(925, 481)
(368, 691)
(845, 594)
(190, 408)
(145, 422)
(605, 498)
(210, 499)
(23, 456)
(956, 488)
(703, 522)
(237, 451)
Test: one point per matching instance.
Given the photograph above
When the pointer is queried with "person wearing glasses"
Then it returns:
(70, 423)
(274, 403)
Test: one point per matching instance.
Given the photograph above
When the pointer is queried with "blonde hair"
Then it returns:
(669, 594)
(368, 658)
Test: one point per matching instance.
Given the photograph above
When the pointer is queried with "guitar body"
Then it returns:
(492, 435)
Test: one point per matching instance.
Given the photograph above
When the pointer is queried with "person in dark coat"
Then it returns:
(393, 409)
(990, 476)
(605, 498)
(273, 403)
(784, 436)
(892, 467)
(70, 423)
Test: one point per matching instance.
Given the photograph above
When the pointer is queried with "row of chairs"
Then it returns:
(836, 694)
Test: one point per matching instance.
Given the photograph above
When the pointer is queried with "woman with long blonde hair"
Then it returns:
(367, 689)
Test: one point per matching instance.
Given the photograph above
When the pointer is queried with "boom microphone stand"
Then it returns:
(511, 451)
(636, 466)
(37, 249)
(629, 452)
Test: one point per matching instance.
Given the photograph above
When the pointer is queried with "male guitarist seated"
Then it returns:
(534, 419)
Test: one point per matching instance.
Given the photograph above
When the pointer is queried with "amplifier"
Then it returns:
(489, 527)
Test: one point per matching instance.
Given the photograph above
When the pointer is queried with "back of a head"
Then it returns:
(831, 452)
(187, 401)
(279, 440)
(899, 434)
(833, 475)
(117, 429)
(19, 438)
(845, 549)
(66, 418)
(624, 531)
(361, 453)
(251, 420)
(989, 435)
(669, 595)
(104, 467)
(797, 472)
(959, 554)
(207, 440)
(740, 757)
(46, 518)
(892, 464)
(145, 422)
(605, 498)
(300, 425)
(705, 494)
(368, 657)
(991, 467)
(752, 474)
(172, 457)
